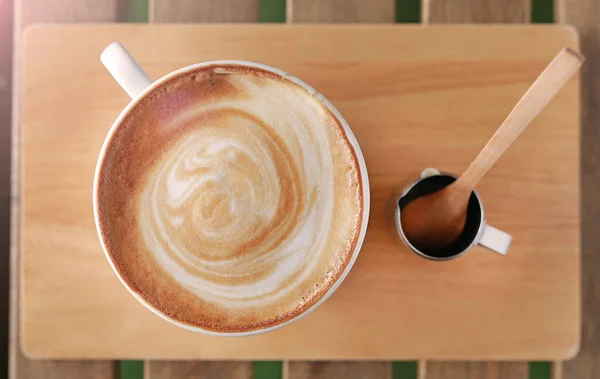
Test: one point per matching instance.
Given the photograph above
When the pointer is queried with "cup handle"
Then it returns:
(130, 76)
(495, 239)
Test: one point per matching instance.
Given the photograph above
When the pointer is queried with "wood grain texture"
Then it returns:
(340, 11)
(396, 103)
(33, 369)
(332, 11)
(584, 15)
(198, 370)
(339, 370)
(557, 370)
(476, 11)
(60, 11)
(27, 12)
(203, 10)
(476, 370)
(558, 72)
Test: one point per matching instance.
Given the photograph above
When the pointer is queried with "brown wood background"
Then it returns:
(583, 14)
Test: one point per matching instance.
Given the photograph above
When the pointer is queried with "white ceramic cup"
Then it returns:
(137, 84)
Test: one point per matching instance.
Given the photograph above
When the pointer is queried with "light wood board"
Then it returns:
(476, 11)
(415, 97)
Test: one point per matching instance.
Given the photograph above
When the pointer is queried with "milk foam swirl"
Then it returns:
(239, 208)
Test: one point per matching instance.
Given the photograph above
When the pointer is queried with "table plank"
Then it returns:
(28, 12)
(337, 11)
(346, 370)
(476, 370)
(201, 11)
(62, 11)
(479, 11)
(197, 370)
(476, 11)
(331, 11)
(584, 15)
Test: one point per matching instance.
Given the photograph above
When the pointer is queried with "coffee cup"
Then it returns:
(476, 231)
(243, 175)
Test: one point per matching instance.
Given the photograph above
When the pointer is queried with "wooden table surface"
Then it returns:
(583, 14)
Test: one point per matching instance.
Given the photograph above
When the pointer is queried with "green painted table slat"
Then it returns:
(131, 369)
(268, 370)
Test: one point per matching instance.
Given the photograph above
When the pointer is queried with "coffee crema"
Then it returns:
(229, 198)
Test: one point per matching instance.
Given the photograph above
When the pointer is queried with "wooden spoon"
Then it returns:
(434, 221)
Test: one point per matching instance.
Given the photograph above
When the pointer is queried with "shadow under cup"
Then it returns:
(473, 223)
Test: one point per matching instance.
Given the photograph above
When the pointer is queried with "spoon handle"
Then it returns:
(546, 86)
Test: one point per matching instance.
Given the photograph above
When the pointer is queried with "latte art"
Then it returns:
(232, 213)
(245, 209)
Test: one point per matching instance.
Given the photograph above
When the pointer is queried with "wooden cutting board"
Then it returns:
(415, 97)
